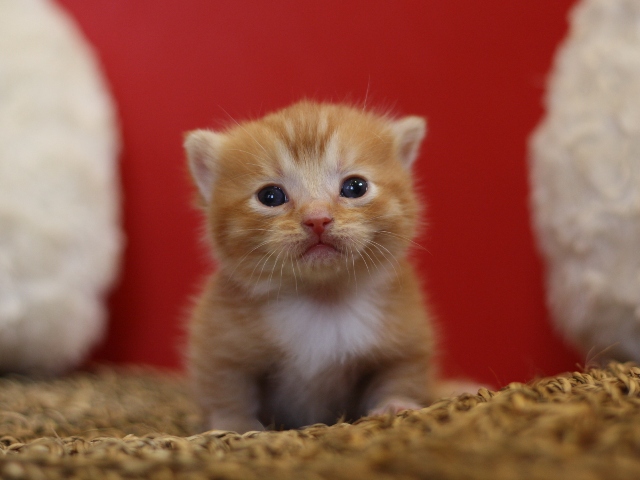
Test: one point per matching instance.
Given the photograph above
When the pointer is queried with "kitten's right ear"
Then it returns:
(409, 133)
(203, 151)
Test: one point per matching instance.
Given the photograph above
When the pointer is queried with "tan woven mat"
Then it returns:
(132, 424)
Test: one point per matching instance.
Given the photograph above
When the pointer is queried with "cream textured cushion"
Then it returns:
(586, 180)
(60, 238)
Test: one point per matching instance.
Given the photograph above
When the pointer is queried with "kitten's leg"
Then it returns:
(221, 420)
(394, 405)
(229, 398)
(402, 385)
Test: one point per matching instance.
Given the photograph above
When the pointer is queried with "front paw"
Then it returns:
(394, 406)
(233, 423)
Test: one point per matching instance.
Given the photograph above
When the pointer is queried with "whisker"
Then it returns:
(378, 246)
(298, 265)
(353, 262)
(366, 95)
(255, 230)
(293, 269)
(346, 264)
(248, 153)
(367, 247)
(363, 247)
(406, 239)
(262, 269)
(257, 264)
(275, 262)
(245, 130)
(242, 260)
(286, 255)
(384, 215)
(365, 263)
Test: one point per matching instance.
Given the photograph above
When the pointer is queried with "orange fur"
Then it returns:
(287, 335)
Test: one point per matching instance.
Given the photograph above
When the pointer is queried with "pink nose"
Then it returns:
(318, 224)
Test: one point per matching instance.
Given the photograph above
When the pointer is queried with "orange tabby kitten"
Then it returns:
(314, 312)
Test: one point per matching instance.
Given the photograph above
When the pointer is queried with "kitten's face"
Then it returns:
(313, 193)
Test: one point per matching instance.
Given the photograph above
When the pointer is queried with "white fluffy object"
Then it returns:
(585, 176)
(60, 238)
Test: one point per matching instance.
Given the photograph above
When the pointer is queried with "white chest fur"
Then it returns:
(317, 334)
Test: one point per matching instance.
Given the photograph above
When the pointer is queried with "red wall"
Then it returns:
(475, 69)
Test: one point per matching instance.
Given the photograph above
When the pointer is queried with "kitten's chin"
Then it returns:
(320, 253)
(321, 261)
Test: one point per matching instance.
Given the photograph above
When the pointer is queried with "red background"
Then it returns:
(476, 70)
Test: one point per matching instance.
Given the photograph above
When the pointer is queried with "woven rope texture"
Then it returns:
(132, 424)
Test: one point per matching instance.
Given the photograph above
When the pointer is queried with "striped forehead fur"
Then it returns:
(306, 130)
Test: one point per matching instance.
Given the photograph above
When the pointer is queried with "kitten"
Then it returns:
(314, 312)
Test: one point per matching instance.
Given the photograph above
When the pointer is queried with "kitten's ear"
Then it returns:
(409, 133)
(203, 151)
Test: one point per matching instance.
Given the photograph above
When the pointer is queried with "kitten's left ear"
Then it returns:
(409, 133)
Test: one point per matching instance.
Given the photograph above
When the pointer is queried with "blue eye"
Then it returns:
(354, 187)
(272, 196)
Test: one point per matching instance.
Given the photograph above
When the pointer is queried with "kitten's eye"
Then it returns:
(272, 196)
(354, 187)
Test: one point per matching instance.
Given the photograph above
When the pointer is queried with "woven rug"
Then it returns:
(137, 423)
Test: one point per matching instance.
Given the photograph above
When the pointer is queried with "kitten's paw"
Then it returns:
(394, 406)
(233, 423)
(454, 388)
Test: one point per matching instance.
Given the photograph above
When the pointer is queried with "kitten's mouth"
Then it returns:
(320, 251)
